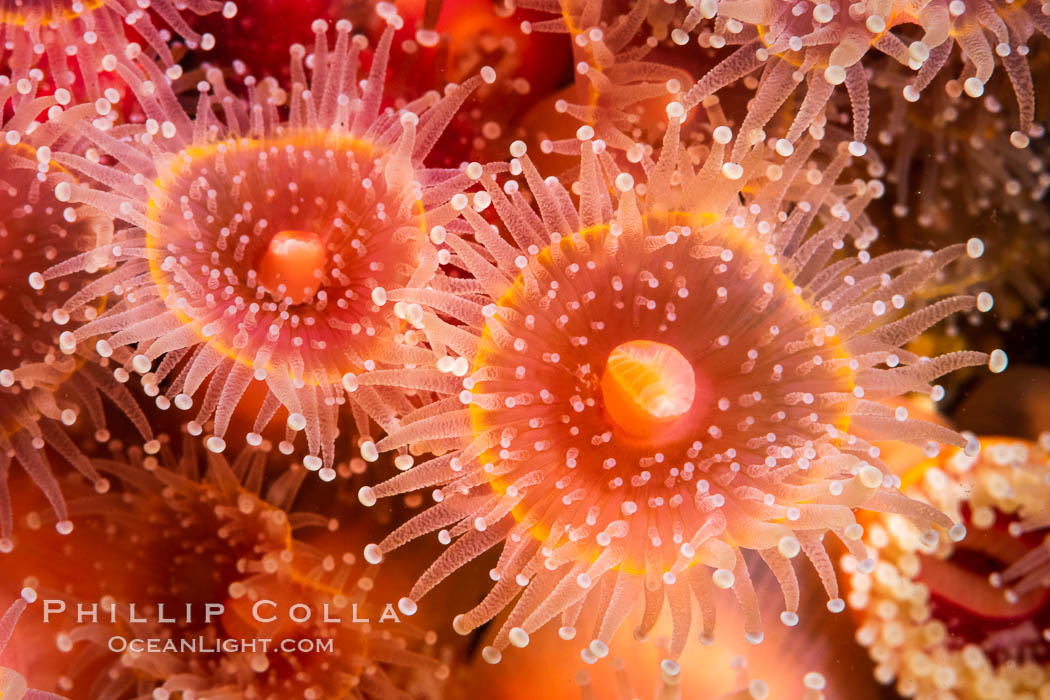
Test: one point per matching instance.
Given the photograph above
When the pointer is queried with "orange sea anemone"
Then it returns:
(640, 387)
(259, 248)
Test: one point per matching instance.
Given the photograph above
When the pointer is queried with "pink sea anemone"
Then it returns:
(619, 93)
(643, 386)
(259, 247)
(457, 42)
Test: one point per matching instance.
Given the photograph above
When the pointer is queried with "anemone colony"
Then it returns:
(587, 305)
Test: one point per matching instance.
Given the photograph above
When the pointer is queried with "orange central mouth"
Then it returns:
(647, 386)
(294, 260)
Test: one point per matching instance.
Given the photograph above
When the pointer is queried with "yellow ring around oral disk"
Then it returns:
(595, 234)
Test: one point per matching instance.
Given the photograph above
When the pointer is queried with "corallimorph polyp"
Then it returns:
(663, 377)
(92, 33)
(261, 248)
(969, 619)
(44, 390)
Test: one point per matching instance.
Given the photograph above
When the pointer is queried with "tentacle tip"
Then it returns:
(407, 606)
(373, 555)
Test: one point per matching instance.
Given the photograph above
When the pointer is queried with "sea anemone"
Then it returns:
(826, 44)
(183, 532)
(92, 32)
(45, 390)
(969, 618)
(260, 248)
(644, 386)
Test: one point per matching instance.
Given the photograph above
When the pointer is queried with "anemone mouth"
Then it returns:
(293, 266)
(647, 388)
(300, 229)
